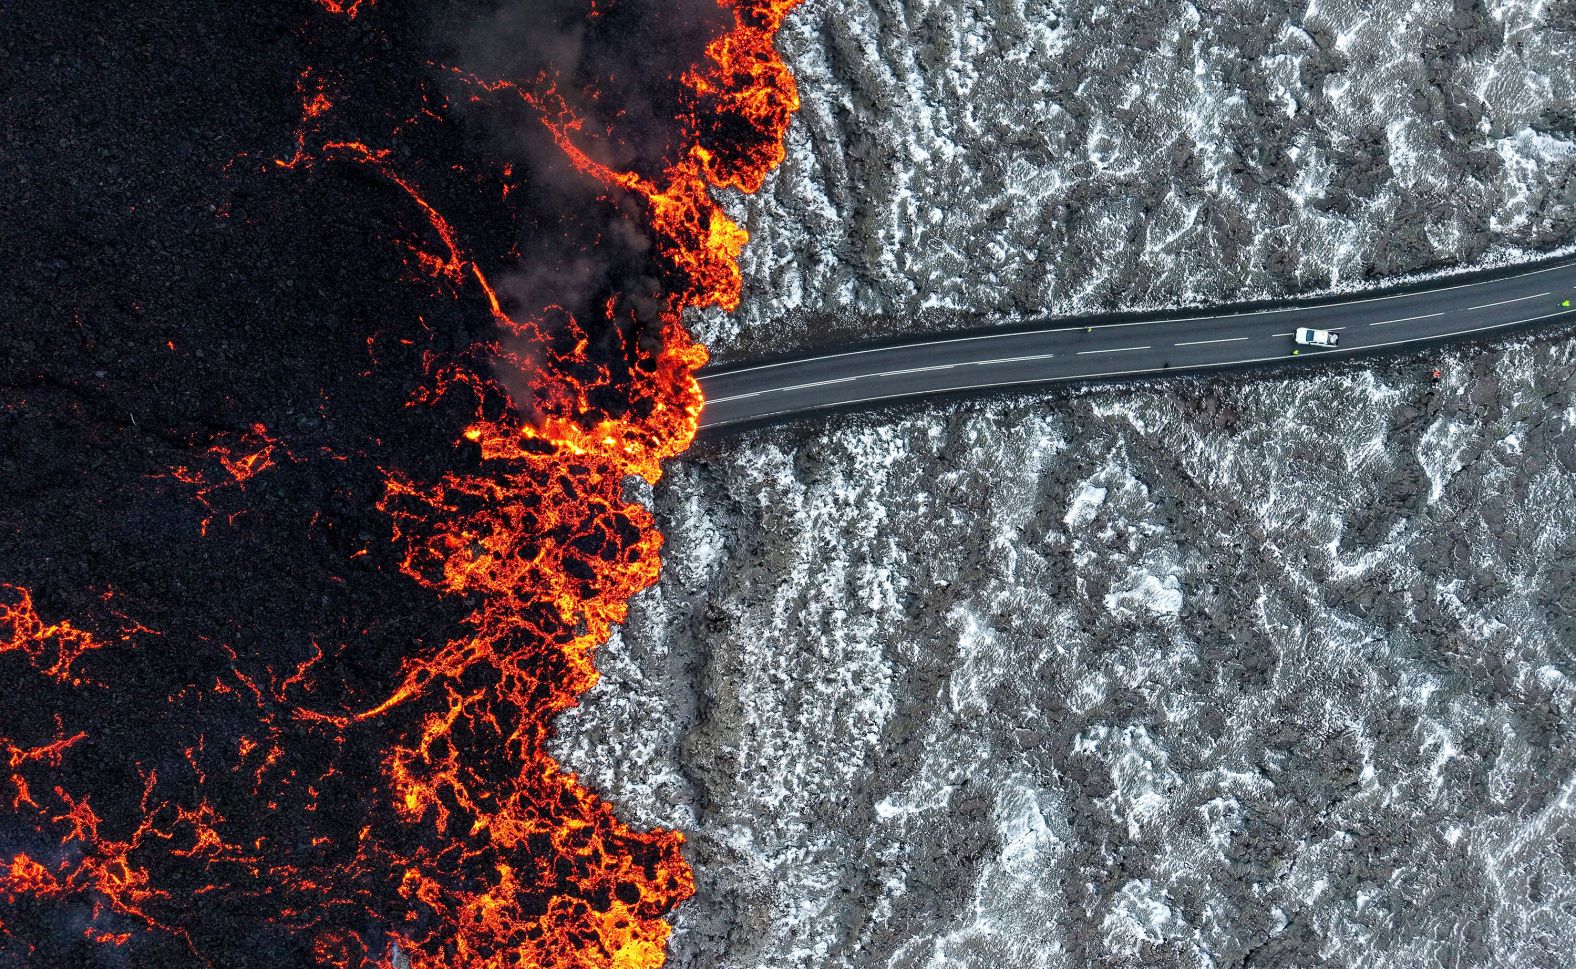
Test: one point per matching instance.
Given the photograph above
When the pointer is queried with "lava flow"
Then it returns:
(427, 825)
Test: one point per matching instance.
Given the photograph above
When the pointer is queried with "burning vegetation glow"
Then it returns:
(474, 848)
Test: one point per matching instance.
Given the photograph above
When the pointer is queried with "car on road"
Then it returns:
(1309, 337)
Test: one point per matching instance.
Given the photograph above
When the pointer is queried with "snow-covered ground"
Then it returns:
(1269, 671)
(1133, 677)
(960, 160)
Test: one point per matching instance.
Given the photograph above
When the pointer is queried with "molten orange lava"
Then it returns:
(51, 648)
(345, 8)
(503, 858)
(241, 462)
(544, 541)
(101, 870)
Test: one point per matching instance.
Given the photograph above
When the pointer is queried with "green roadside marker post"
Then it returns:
(1295, 352)
(1566, 304)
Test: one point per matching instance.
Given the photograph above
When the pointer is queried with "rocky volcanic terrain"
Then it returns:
(1247, 671)
(960, 161)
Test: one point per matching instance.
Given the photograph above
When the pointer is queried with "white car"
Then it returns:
(1309, 337)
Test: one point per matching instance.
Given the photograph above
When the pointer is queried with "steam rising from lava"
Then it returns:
(426, 824)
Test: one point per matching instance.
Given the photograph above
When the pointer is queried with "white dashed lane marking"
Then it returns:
(1407, 319)
(1199, 343)
(1506, 302)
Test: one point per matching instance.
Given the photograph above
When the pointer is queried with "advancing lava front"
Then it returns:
(286, 737)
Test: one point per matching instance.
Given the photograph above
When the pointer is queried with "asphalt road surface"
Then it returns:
(1112, 347)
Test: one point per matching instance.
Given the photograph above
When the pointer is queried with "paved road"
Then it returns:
(1114, 347)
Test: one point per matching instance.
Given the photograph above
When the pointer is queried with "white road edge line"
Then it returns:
(1407, 319)
(1085, 353)
(1128, 373)
(1199, 343)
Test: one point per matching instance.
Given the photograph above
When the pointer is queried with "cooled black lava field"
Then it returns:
(265, 705)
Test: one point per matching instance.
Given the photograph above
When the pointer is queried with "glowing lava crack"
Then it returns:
(496, 856)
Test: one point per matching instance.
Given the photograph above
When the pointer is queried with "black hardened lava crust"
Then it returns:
(159, 294)
(167, 287)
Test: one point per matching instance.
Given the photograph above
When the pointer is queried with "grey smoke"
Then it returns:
(619, 71)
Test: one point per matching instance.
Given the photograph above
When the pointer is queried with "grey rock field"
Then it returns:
(1210, 672)
(973, 161)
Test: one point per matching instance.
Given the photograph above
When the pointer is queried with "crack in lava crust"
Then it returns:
(501, 857)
